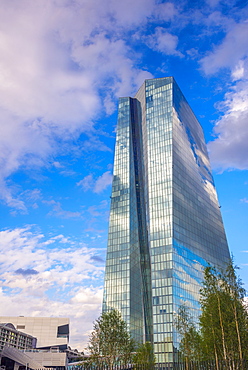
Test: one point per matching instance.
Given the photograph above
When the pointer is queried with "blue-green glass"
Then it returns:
(165, 222)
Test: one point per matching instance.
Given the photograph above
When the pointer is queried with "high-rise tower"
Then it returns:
(165, 222)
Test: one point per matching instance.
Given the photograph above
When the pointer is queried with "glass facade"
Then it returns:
(165, 222)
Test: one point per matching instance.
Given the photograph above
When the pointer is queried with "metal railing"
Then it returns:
(191, 365)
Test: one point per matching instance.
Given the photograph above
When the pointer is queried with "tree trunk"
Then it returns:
(222, 327)
(238, 334)
(215, 350)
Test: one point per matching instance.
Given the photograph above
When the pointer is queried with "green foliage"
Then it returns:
(224, 319)
(190, 345)
(211, 319)
(110, 343)
(222, 335)
(144, 355)
(223, 324)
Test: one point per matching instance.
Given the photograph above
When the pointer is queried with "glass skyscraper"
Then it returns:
(165, 222)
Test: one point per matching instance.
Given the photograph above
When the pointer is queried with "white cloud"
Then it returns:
(86, 183)
(193, 53)
(58, 165)
(98, 185)
(63, 271)
(165, 11)
(230, 150)
(58, 211)
(23, 248)
(229, 53)
(164, 42)
(238, 71)
(244, 200)
(56, 59)
(213, 3)
(99, 210)
(63, 63)
(103, 182)
(83, 308)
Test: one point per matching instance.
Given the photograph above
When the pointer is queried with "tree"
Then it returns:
(144, 355)
(232, 286)
(223, 321)
(211, 319)
(190, 346)
(110, 343)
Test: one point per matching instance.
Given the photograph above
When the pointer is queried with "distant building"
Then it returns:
(49, 331)
(35, 343)
(165, 221)
(12, 359)
(14, 338)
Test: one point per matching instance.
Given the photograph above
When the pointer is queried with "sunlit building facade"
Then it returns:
(165, 222)
(11, 337)
(49, 331)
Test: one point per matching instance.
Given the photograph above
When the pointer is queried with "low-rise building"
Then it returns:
(35, 343)
(49, 331)
(12, 337)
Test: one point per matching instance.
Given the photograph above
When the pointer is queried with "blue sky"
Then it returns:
(63, 65)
